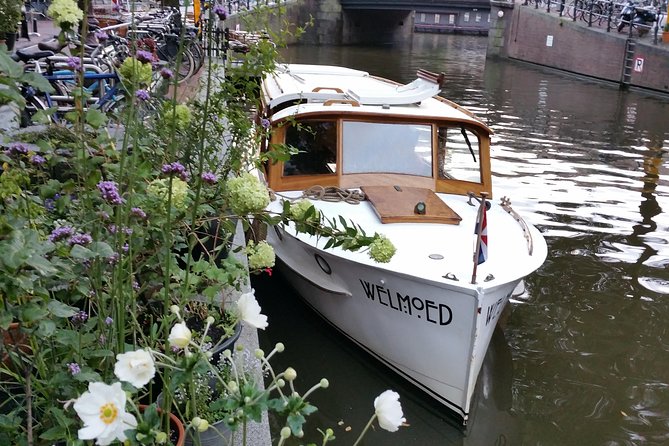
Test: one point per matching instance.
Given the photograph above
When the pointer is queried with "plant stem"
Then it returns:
(364, 431)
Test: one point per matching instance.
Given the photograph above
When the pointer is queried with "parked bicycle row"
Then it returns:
(638, 17)
(156, 48)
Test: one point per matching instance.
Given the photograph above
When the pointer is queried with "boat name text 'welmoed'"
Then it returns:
(414, 306)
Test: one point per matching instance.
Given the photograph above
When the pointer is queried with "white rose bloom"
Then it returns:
(249, 311)
(136, 368)
(102, 409)
(389, 411)
(180, 335)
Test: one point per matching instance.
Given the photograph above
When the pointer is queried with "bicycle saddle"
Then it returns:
(53, 45)
(27, 56)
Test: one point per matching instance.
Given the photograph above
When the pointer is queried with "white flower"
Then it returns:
(249, 311)
(102, 409)
(389, 411)
(136, 368)
(180, 335)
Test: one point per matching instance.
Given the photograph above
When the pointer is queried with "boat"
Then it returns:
(415, 167)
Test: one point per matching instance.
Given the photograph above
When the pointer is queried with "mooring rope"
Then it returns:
(334, 194)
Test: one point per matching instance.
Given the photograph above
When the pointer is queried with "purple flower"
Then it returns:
(142, 95)
(74, 368)
(17, 148)
(166, 73)
(61, 233)
(38, 159)
(138, 212)
(264, 122)
(144, 56)
(101, 35)
(135, 285)
(175, 168)
(219, 10)
(127, 230)
(80, 239)
(109, 192)
(79, 317)
(125, 248)
(209, 178)
(113, 259)
(49, 204)
(74, 63)
(109, 320)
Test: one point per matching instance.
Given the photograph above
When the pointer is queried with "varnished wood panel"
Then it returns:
(397, 204)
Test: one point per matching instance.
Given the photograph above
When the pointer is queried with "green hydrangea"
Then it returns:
(181, 114)
(65, 13)
(300, 208)
(246, 194)
(135, 72)
(382, 249)
(260, 255)
(159, 188)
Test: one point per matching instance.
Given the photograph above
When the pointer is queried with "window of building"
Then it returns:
(465, 17)
(437, 18)
(478, 17)
(422, 17)
(451, 19)
(317, 145)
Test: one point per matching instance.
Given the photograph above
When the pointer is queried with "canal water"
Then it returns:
(582, 357)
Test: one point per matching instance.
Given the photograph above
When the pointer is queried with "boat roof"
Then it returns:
(314, 89)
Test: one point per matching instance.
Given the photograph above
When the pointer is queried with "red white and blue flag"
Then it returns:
(482, 222)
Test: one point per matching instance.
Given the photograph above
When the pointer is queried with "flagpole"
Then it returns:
(478, 235)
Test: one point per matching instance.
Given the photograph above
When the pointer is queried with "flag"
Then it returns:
(482, 240)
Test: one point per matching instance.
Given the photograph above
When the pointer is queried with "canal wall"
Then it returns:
(530, 35)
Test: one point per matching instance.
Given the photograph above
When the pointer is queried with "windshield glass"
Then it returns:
(370, 147)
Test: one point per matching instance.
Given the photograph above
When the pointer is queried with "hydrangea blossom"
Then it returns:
(159, 188)
(134, 71)
(382, 249)
(65, 13)
(247, 195)
(179, 115)
(102, 409)
(260, 255)
(299, 209)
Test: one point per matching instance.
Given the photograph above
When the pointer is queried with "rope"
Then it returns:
(334, 194)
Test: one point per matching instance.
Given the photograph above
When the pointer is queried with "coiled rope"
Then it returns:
(330, 193)
(334, 194)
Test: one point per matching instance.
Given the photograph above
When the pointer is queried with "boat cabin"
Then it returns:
(353, 130)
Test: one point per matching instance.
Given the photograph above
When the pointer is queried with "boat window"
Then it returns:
(458, 154)
(370, 147)
(317, 145)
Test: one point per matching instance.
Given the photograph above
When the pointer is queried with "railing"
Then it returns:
(603, 14)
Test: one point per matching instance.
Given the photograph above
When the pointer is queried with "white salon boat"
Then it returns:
(423, 164)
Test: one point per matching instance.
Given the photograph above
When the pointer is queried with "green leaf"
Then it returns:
(95, 118)
(101, 249)
(9, 66)
(42, 265)
(79, 252)
(38, 81)
(60, 309)
(46, 328)
(55, 433)
(31, 312)
(295, 422)
(87, 377)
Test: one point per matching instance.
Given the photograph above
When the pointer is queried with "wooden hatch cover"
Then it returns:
(397, 204)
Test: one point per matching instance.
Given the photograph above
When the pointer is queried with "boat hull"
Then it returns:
(434, 335)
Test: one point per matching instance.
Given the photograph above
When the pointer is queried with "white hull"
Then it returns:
(433, 333)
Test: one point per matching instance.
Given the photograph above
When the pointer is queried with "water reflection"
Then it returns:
(589, 341)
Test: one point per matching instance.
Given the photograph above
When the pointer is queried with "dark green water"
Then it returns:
(583, 356)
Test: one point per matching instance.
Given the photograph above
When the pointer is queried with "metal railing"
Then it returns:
(604, 14)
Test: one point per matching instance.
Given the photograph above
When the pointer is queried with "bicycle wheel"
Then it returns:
(186, 66)
(33, 105)
(575, 9)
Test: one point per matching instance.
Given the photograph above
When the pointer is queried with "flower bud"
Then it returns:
(329, 432)
(290, 374)
(300, 434)
(196, 421)
(140, 436)
(232, 385)
(209, 355)
(259, 353)
(325, 383)
(285, 432)
(180, 335)
(203, 426)
(247, 400)
(174, 309)
(227, 353)
(280, 383)
(279, 347)
(161, 437)
(210, 320)
(239, 347)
